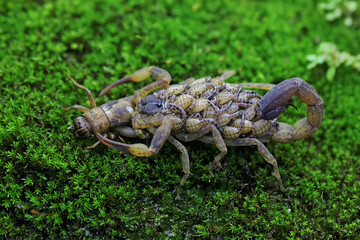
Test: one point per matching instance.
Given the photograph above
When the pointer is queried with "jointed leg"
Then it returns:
(264, 86)
(220, 79)
(270, 159)
(107, 134)
(189, 137)
(219, 142)
(216, 137)
(139, 149)
(184, 162)
(226, 75)
(264, 152)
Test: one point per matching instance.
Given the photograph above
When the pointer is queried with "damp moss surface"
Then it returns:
(51, 186)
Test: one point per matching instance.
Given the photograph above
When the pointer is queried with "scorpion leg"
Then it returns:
(275, 101)
(220, 79)
(189, 137)
(162, 77)
(94, 145)
(107, 134)
(264, 152)
(264, 86)
(184, 162)
(216, 136)
(227, 75)
(219, 142)
(139, 149)
(188, 81)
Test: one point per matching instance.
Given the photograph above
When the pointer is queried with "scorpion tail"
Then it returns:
(275, 101)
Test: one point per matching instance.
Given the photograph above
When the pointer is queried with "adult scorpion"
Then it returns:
(206, 109)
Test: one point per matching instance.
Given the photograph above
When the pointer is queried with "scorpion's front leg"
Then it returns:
(276, 100)
(139, 149)
(162, 77)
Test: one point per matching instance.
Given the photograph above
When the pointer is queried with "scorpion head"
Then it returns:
(150, 105)
(82, 127)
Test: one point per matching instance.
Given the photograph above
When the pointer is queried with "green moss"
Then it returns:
(51, 186)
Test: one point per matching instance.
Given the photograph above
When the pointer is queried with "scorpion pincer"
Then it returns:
(206, 109)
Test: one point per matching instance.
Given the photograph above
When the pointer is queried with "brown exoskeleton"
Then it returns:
(206, 109)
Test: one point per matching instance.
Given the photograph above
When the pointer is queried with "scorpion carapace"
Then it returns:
(206, 109)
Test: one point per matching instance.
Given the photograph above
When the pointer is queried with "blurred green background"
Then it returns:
(52, 187)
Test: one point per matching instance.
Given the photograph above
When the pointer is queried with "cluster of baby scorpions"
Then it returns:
(211, 101)
(205, 109)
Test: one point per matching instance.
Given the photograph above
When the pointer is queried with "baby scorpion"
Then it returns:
(206, 109)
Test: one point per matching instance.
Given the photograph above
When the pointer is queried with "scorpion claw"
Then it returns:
(137, 76)
(112, 144)
(111, 86)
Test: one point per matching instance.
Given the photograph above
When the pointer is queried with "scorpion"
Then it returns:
(206, 109)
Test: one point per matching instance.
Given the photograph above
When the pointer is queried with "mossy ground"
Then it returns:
(101, 193)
